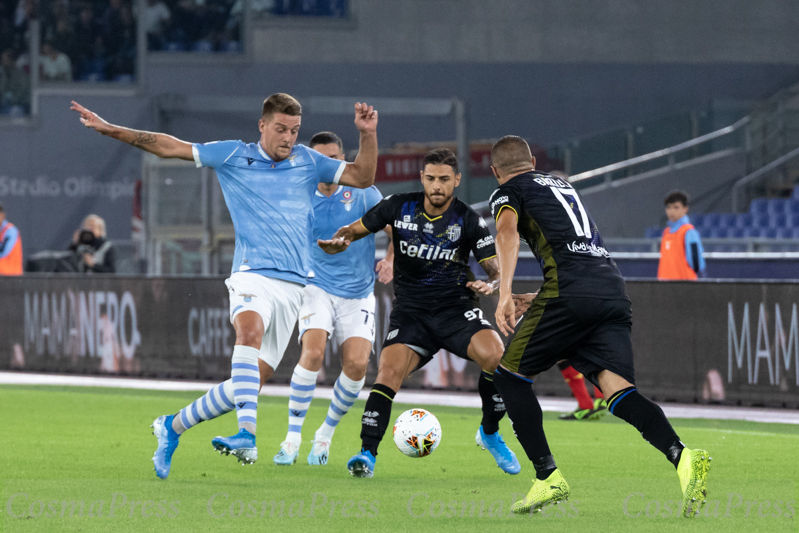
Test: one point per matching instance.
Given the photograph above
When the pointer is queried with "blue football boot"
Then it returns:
(503, 455)
(168, 441)
(362, 465)
(287, 455)
(241, 446)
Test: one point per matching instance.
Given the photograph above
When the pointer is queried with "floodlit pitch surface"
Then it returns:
(78, 459)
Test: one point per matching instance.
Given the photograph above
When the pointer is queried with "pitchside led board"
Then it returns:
(728, 342)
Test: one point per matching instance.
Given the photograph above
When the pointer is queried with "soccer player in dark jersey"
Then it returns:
(582, 313)
(435, 305)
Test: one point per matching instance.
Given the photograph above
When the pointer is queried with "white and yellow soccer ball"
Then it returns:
(417, 433)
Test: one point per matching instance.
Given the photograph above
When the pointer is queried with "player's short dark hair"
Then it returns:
(510, 152)
(442, 156)
(675, 197)
(281, 103)
(326, 137)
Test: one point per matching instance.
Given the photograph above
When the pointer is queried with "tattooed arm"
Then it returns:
(156, 143)
(491, 267)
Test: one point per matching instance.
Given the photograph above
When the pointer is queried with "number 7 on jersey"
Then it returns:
(585, 229)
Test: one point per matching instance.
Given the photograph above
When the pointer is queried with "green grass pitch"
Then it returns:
(85, 453)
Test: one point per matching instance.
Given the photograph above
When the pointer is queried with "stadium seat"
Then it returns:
(769, 233)
(174, 47)
(232, 47)
(697, 220)
(726, 220)
(760, 220)
(777, 206)
(735, 233)
(758, 205)
(711, 220)
(91, 77)
(795, 233)
(124, 78)
(654, 232)
(785, 233)
(792, 207)
(752, 233)
(704, 232)
(205, 47)
(718, 233)
(777, 220)
(744, 220)
(792, 221)
(795, 195)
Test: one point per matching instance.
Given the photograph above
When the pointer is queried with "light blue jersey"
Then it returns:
(271, 203)
(350, 274)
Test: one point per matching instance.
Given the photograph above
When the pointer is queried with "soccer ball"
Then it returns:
(417, 433)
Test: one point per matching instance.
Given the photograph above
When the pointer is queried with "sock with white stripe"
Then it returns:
(345, 392)
(303, 384)
(246, 382)
(216, 402)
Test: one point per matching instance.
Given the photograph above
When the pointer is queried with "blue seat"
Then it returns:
(795, 233)
(777, 206)
(92, 77)
(718, 233)
(770, 233)
(795, 194)
(653, 232)
(735, 233)
(726, 220)
(752, 233)
(711, 220)
(785, 233)
(697, 219)
(174, 46)
(205, 47)
(758, 205)
(744, 220)
(704, 232)
(233, 47)
(124, 78)
(792, 207)
(760, 220)
(792, 221)
(777, 220)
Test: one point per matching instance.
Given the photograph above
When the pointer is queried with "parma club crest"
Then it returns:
(454, 232)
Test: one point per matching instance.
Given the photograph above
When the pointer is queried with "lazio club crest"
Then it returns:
(454, 232)
(347, 201)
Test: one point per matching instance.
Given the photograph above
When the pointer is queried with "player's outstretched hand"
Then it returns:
(365, 118)
(333, 246)
(523, 302)
(506, 314)
(385, 271)
(91, 120)
(481, 287)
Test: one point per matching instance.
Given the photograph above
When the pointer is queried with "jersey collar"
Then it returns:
(338, 190)
(263, 152)
(677, 224)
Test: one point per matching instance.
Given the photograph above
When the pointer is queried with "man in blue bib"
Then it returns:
(268, 188)
(339, 304)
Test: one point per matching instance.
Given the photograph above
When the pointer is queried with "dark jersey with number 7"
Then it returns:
(554, 223)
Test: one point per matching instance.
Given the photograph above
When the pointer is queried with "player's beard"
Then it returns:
(438, 201)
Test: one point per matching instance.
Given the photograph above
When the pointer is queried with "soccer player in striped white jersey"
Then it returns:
(268, 187)
(339, 301)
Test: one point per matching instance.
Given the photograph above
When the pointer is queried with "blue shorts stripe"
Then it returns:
(348, 403)
(251, 420)
(337, 410)
(300, 400)
(244, 366)
(246, 379)
(303, 388)
(220, 390)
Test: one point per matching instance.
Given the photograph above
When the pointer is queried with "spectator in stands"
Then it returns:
(10, 247)
(122, 45)
(55, 64)
(15, 86)
(89, 45)
(681, 253)
(93, 252)
(156, 21)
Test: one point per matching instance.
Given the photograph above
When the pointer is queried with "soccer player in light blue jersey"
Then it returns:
(339, 301)
(268, 187)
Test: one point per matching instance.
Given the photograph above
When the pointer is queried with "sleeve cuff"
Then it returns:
(196, 154)
(339, 172)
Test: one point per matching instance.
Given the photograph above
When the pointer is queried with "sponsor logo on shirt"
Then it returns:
(406, 224)
(485, 241)
(588, 249)
(500, 200)
(425, 251)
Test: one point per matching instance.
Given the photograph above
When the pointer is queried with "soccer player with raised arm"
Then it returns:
(268, 188)
(582, 313)
(339, 300)
(435, 308)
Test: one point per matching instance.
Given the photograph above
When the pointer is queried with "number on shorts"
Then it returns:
(583, 230)
(476, 314)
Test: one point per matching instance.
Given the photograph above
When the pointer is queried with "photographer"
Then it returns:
(93, 252)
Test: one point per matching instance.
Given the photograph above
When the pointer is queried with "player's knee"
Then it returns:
(249, 337)
(312, 357)
(355, 367)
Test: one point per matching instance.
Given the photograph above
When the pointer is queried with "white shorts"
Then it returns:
(343, 316)
(277, 301)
